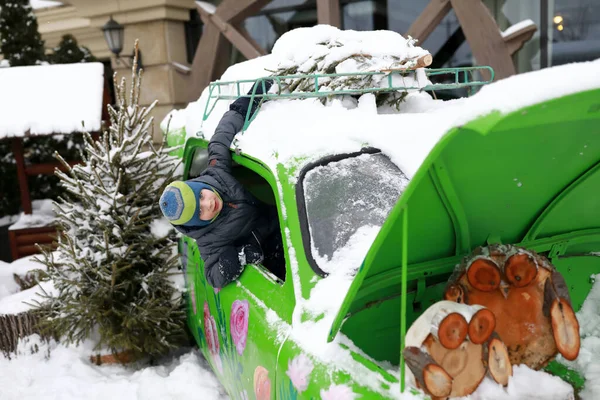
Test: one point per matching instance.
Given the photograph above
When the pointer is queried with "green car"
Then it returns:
(333, 328)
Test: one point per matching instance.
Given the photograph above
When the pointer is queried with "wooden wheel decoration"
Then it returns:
(451, 347)
(528, 297)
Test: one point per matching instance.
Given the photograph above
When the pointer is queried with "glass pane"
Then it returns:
(576, 31)
(344, 196)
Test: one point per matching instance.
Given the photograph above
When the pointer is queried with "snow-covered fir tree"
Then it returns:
(68, 51)
(115, 260)
(20, 41)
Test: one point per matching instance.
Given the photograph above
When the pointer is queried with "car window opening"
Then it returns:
(272, 247)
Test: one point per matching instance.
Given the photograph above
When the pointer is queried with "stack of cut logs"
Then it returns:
(503, 306)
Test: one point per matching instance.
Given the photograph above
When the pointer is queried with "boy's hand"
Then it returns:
(242, 104)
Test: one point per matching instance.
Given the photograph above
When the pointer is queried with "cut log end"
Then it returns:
(429, 375)
(565, 329)
(453, 330)
(498, 361)
(484, 275)
(520, 270)
(437, 381)
(481, 326)
(424, 61)
(455, 293)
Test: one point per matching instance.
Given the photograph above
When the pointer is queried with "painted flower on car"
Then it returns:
(262, 384)
(299, 370)
(212, 336)
(193, 299)
(338, 392)
(239, 324)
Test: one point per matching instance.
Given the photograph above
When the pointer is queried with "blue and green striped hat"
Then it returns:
(180, 203)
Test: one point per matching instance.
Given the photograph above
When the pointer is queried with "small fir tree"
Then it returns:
(68, 51)
(20, 41)
(112, 269)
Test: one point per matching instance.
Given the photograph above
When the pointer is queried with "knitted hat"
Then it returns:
(180, 203)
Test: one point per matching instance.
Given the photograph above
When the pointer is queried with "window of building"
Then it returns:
(193, 32)
(575, 31)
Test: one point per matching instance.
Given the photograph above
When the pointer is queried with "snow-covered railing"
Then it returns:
(463, 77)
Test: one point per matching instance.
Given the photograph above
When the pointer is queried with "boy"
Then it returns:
(228, 222)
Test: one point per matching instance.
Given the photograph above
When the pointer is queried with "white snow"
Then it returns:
(8, 220)
(38, 4)
(42, 215)
(525, 384)
(42, 100)
(206, 6)
(68, 374)
(160, 227)
(517, 27)
(8, 286)
(588, 361)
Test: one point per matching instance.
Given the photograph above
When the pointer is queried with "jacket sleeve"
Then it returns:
(221, 267)
(219, 155)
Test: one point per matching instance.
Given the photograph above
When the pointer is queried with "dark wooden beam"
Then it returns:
(213, 51)
(246, 47)
(483, 35)
(429, 19)
(516, 40)
(328, 12)
(17, 145)
(212, 47)
(235, 11)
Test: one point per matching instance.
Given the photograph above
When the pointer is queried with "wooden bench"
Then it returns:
(23, 241)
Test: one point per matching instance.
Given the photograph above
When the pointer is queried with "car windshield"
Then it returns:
(346, 203)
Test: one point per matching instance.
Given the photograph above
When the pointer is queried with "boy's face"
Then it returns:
(210, 205)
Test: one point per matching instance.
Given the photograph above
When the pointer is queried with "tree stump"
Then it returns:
(451, 347)
(528, 297)
(14, 327)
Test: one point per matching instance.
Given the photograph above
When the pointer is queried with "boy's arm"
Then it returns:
(218, 147)
(223, 268)
(230, 124)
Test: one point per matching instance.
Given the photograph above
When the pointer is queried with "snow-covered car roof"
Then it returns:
(301, 131)
(51, 99)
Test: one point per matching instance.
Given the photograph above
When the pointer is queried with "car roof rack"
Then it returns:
(463, 77)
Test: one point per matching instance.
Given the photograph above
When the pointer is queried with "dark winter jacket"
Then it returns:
(243, 218)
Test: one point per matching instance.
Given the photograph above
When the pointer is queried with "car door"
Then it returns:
(238, 327)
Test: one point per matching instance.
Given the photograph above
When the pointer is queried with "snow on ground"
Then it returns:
(8, 285)
(588, 361)
(42, 214)
(60, 372)
(67, 374)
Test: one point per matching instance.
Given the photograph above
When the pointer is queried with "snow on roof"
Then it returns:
(206, 6)
(37, 4)
(286, 131)
(517, 27)
(51, 99)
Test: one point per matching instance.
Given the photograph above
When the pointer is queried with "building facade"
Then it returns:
(170, 33)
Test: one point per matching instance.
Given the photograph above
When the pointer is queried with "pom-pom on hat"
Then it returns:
(180, 203)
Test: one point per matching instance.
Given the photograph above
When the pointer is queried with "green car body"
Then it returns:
(530, 177)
